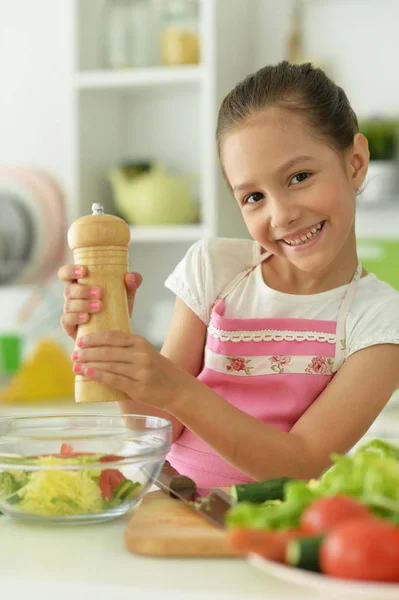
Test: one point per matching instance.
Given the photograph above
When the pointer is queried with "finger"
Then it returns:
(82, 306)
(113, 368)
(73, 320)
(69, 324)
(77, 290)
(132, 281)
(103, 354)
(107, 338)
(71, 272)
(112, 380)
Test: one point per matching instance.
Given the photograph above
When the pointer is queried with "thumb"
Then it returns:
(132, 281)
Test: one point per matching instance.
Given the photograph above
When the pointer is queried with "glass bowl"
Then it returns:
(76, 468)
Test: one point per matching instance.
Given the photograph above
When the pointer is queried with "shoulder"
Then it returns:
(207, 267)
(374, 315)
(230, 251)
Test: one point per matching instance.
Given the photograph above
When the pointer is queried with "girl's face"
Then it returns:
(297, 194)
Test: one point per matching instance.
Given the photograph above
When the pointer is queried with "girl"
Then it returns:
(282, 349)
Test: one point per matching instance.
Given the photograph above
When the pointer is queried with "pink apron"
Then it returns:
(272, 369)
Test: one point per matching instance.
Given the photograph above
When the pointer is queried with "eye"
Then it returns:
(300, 177)
(253, 198)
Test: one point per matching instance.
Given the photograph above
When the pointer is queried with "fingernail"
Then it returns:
(94, 292)
(80, 342)
(75, 356)
(133, 278)
(89, 372)
(94, 305)
(77, 368)
(82, 317)
(78, 272)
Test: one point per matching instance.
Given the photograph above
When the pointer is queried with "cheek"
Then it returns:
(253, 223)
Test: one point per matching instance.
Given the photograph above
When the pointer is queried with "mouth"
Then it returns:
(304, 238)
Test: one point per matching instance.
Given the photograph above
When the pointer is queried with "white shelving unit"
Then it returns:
(155, 76)
(156, 114)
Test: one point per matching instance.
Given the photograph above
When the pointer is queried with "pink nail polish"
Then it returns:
(133, 278)
(89, 372)
(77, 368)
(94, 305)
(78, 272)
(80, 342)
(82, 317)
(75, 356)
(94, 293)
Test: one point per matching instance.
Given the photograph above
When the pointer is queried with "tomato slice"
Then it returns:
(109, 480)
(269, 544)
(326, 513)
(66, 449)
(110, 458)
(363, 549)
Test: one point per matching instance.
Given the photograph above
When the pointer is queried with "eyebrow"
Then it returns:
(287, 165)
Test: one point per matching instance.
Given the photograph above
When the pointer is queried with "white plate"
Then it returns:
(337, 588)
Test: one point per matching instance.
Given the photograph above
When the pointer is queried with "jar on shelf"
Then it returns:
(126, 29)
(180, 38)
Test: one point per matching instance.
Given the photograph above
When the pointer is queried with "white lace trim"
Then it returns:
(244, 366)
(391, 337)
(271, 335)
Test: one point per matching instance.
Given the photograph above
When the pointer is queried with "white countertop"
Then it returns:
(39, 561)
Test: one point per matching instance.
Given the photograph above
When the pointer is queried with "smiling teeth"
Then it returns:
(305, 238)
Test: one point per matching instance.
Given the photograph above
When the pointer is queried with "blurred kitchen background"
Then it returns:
(115, 101)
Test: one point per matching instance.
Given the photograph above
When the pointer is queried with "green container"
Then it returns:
(10, 353)
(380, 256)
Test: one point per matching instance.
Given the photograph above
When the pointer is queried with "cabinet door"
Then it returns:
(380, 256)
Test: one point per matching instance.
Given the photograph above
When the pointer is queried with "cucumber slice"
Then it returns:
(126, 489)
(304, 553)
(259, 491)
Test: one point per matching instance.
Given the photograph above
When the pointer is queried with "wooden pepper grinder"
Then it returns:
(100, 242)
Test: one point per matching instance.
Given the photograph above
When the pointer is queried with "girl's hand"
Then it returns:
(129, 363)
(81, 300)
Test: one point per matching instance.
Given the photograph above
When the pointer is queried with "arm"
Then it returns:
(334, 423)
(184, 346)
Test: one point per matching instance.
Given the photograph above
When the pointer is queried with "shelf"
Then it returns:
(153, 76)
(165, 233)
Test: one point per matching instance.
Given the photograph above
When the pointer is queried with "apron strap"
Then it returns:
(340, 346)
(230, 287)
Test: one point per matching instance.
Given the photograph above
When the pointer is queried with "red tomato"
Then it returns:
(110, 458)
(365, 549)
(66, 449)
(269, 544)
(109, 480)
(324, 514)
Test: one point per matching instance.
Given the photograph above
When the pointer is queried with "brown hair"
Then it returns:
(301, 88)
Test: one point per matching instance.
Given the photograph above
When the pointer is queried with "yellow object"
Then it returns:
(46, 375)
(179, 47)
(61, 493)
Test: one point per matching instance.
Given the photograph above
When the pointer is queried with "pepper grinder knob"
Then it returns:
(100, 242)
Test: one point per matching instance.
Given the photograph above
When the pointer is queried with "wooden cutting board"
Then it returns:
(164, 526)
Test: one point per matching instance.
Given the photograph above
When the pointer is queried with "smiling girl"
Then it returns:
(282, 349)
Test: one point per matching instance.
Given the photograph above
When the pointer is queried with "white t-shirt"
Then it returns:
(210, 264)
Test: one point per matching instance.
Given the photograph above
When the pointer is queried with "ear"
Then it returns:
(359, 157)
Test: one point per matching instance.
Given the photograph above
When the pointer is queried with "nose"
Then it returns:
(282, 212)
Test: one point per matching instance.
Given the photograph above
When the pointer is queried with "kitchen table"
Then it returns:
(74, 562)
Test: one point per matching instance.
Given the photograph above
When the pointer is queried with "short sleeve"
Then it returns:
(379, 327)
(188, 280)
(207, 268)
